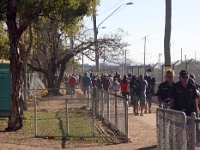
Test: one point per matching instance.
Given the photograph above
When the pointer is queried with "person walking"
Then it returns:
(143, 87)
(86, 83)
(150, 93)
(134, 94)
(116, 86)
(99, 83)
(117, 76)
(183, 95)
(164, 88)
(124, 87)
(106, 82)
(72, 85)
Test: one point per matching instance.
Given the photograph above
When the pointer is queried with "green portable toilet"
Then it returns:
(5, 88)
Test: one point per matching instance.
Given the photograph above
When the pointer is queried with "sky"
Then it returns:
(147, 18)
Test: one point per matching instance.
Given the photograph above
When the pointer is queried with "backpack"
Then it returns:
(136, 87)
(115, 86)
(153, 82)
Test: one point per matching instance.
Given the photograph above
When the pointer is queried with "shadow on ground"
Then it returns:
(153, 147)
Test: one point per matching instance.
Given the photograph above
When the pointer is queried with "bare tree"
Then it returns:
(53, 50)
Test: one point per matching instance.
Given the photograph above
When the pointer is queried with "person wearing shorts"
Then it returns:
(134, 94)
(86, 83)
(72, 85)
(143, 87)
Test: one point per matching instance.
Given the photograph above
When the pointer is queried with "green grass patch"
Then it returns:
(54, 123)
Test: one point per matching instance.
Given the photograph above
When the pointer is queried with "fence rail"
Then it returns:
(98, 114)
(176, 131)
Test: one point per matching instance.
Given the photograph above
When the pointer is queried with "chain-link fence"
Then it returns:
(98, 114)
(157, 70)
(176, 131)
(113, 109)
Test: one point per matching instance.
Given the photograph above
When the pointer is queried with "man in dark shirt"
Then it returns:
(164, 88)
(183, 96)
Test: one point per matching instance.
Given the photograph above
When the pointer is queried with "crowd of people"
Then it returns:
(183, 95)
(137, 90)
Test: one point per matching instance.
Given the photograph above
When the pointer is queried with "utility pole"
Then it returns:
(125, 61)
(95, 42)
(104, 59)
(96, 32)
(181, 56)
(159, 59)
(82, 63)
(145, 39)
(185, 62)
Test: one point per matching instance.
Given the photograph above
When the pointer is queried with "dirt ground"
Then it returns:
(142, 134)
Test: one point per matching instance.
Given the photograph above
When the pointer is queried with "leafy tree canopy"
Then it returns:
(21, 14)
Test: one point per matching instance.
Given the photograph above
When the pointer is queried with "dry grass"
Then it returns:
(142, 136)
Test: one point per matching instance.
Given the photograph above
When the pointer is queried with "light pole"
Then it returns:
(96, 33)
(145, 39)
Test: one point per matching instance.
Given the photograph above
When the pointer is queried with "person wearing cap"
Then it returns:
(183, 95)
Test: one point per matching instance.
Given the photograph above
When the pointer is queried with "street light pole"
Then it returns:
(96, 33)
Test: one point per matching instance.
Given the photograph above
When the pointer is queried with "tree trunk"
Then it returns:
(54, 83)
(16, 112)
(167, 35)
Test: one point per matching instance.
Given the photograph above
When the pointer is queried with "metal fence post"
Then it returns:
(94, 101)
(102, 103)
(108, 106)
(126, 119)
(88, 97)
(193, 131)
(67, 118)
(35, 112)
(116, 111)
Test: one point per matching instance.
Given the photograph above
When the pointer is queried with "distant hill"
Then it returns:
(117, 62)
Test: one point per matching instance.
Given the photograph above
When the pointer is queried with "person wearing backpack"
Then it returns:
(134, 93)
(116, 86)
(150, 93)
(106, 82)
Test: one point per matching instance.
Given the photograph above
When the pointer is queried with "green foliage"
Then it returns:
(67, 11)
(3, 4)
(4, 44)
